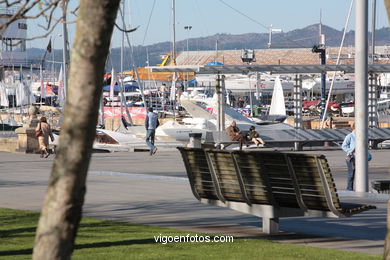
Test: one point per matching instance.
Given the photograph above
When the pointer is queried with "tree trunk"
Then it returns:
(64, 198)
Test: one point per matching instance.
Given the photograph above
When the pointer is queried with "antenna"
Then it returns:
(271, 30)
(320, 26)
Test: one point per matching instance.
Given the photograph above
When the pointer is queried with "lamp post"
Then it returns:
(187, 28)
(322, 51)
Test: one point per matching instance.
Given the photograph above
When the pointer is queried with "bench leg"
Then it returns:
(270, 225)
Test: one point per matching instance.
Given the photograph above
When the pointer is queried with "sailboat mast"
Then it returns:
(65, 53)
(173, 100)
(373, 30)
(174, 32)
(122, 58)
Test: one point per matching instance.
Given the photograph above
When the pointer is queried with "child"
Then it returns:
(254, 137)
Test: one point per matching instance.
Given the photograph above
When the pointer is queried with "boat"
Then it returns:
(203, 117)
(348, 109)
(9, 124)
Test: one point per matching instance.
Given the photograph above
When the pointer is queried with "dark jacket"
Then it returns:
(253, 134)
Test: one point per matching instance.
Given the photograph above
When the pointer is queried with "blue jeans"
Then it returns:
(150, 139)
(351, 172)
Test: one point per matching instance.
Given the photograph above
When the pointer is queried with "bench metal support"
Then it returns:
(214, 177)
(240, 180)
(295, 183)
(270, 215)
(328, 195)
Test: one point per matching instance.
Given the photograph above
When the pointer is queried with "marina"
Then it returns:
(283, 143)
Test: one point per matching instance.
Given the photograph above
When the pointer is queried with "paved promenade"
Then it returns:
(138, 188)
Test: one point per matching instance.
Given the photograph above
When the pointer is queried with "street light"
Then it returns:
(248, 56)
(320, 48)
(187, 28)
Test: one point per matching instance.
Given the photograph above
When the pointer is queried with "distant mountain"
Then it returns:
(300, 38)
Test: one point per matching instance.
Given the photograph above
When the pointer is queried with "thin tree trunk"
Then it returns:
(62, 208)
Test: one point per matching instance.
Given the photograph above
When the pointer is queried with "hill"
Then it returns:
(300, 38)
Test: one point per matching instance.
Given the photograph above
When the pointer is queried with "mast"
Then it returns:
(174, 32)
(173, 87)
(373, 31)
(65, 53)
(122, 57)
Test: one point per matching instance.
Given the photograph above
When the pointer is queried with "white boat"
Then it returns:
(243, 83)
(203, 121)
(348, 111)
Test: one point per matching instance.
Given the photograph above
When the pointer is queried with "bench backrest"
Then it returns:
(315, 182)
(266, 178)
(198, 173)
(262, 177)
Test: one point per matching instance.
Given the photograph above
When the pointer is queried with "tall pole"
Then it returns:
(250, 96)
(218, 88)
(373, 26)
(122, 58)
(53, 67)
(173, 58)
(270, 37)
(188, 28)
(323, 84)
(173, 32)
(65, 53)
(361, 95)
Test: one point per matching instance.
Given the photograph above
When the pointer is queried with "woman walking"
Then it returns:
(43, 131)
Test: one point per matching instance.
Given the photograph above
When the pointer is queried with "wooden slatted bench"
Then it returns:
(266, 184)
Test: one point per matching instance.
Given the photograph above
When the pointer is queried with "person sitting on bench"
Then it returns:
(235, 134)
(253, 136)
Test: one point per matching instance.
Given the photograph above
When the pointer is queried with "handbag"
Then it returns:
(39, 131)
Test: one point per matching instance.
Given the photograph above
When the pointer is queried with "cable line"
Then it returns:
(238, 11)
(147, 26)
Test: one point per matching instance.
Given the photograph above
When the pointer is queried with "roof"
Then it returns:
(298, 56)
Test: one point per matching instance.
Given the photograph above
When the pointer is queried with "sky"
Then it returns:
(209, 17)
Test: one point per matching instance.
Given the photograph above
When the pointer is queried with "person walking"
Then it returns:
(348, 146)
(43, 132)
(151, 123)
(235, 134)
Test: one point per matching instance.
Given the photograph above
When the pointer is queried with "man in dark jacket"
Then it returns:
(151, 123)
(235, 134)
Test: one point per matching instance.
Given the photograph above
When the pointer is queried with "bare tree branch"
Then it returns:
(124, 30)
